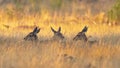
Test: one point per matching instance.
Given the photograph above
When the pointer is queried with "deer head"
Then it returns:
(81, 35)
(33, 35)
(57, 34)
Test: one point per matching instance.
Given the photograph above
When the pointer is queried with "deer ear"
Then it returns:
(86, 26)
(35, 29)
(59, 29)
(38, 30)
(53, 30)
(85, 29)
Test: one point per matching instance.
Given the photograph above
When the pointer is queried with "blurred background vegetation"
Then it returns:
(58, 5)
(107, 10)
(114, 13)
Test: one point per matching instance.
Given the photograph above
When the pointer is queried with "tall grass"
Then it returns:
(15, 24)
(15, 52)
(21, 54)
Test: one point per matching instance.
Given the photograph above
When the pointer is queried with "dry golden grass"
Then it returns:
(17, 53)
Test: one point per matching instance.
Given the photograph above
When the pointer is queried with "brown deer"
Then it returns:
(57, 34)
(81, 35)
(33, 35)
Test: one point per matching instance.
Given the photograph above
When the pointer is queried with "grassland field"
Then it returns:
(17, 53)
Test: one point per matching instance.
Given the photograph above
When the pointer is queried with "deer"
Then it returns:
(32, 36)
(57, 34)
(81, 35)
